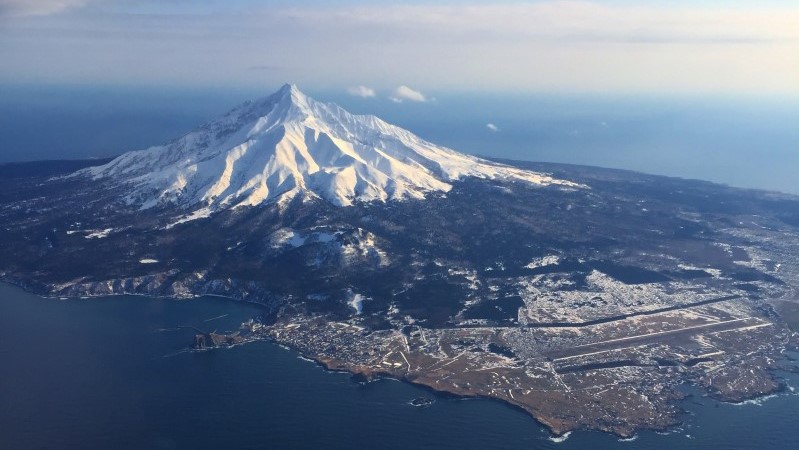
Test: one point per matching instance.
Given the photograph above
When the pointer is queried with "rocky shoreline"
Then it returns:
(292, 333)
(556, 427)
(665, 417)
(165, 285)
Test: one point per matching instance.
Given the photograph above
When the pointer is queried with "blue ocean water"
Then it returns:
(108, 373)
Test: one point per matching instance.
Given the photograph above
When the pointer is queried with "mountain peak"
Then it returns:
(293, 89)
(287, 144)
(291, 92)
(288, 88)
(288, 103)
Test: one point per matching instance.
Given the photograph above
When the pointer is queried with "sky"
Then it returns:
(703, 88)
(408, 51)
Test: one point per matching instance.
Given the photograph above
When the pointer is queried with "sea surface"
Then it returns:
(113, 373)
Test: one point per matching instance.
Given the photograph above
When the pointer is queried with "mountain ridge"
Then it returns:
(286, 144)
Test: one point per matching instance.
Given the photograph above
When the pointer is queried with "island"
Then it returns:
(588, 298)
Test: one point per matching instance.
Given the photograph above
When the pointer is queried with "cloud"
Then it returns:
(37, 7)
(491, 127)
(402, 93)
(566, 21)
(549, 46)
(361, 91)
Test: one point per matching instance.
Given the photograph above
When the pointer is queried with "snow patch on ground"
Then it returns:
(356, 302)
(201, 213)
(290, 238)
(286, 237)
(362, 245)
(549, 260)
(99, 234)
(715, 273)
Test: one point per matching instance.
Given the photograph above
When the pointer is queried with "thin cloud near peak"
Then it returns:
(402, 93)
(361, 91)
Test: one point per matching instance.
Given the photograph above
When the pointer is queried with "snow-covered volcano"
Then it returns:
(286, 144)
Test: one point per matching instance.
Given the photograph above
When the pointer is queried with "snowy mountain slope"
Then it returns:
(286, 144)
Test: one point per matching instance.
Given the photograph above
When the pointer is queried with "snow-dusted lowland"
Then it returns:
(286, 144)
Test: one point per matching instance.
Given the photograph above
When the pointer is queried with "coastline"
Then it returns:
(557, 435)
(365, 374)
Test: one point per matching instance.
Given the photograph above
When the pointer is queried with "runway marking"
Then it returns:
(596, 347)
(596, 353)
